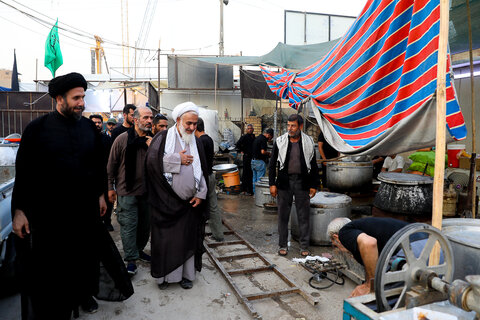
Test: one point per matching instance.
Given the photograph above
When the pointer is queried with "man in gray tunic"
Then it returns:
(176, 173)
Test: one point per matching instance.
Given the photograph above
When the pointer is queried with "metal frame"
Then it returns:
(269, 267)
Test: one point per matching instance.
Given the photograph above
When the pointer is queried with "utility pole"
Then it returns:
(158, 87)
(220, 44)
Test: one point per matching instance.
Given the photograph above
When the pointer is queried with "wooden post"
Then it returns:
(437, 209)
(472, 96)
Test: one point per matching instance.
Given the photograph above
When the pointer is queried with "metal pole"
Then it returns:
(437, 209)
(472, 93)
(241, 102)
(36, 74)
(135, 63)
(216, 75)
(220, 45)
(158, 87)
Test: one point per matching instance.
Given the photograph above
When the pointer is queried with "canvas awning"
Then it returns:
(283, 55)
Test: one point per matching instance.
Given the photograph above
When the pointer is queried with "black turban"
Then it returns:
(60, 85)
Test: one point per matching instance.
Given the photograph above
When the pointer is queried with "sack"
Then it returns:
(115, 283)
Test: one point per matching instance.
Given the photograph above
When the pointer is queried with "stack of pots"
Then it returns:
(324, 207)
(262, 192)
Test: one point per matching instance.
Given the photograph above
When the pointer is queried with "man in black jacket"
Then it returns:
(294, 152)
(107, 145)
(244, 145)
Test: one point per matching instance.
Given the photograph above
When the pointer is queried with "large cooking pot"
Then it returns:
(324, 207)
(349, 176)
(404, 193)
(464, 236)
(262, 192)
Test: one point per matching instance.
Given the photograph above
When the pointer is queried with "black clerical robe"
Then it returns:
(178, 229)
(60, 175)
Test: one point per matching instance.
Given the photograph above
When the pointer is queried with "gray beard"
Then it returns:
(186, 137)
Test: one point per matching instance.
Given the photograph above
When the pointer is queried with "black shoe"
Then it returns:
(144, 257)
(212, 238)
(131, 268)
(109, 227)
(89, 305)
(186, 284)
(163, 286)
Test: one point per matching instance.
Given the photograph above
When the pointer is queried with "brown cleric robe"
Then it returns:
(178, 229)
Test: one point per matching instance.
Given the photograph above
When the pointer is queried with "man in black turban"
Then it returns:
(56, 205)
(59, 87)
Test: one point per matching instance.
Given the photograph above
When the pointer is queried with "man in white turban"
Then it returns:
(176, 171)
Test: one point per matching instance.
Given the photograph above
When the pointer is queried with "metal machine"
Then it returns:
(404, 279)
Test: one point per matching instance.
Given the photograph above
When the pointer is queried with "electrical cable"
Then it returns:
(319, 275)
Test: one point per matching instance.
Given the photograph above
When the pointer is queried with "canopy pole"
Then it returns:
(472, 96)
(158, 75)
(437, 209)
(216, 76)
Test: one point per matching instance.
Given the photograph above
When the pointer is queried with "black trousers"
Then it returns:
(247, 174)
(302, 204)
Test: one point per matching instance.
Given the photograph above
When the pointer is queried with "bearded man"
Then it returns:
(126, 180)
(294, 152)
(57, 202)
(176, 174)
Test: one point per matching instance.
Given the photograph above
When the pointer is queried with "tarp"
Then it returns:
(458, 28)
(375, 89)
(283, 55)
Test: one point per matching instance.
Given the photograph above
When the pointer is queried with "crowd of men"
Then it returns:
(69, 174)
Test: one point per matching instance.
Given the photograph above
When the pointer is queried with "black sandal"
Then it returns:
(282, 252)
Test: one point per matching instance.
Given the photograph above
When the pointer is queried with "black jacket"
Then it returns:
(309, 180)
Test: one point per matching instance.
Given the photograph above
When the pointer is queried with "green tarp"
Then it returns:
(458, 31)
(284, 55)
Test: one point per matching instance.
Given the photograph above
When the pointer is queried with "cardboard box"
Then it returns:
(464, 163)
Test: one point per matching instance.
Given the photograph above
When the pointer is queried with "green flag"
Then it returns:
(53, 54)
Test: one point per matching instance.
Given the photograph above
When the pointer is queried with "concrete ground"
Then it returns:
(211, 297)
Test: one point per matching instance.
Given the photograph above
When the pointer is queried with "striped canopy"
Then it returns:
(377, 80)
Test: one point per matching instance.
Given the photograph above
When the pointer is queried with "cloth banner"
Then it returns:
(374, 92)
(53, 54)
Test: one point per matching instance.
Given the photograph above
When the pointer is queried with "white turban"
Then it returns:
(183, 108)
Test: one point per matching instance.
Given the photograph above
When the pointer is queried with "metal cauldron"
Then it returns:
(404, 193)
(324, 207)
(349, 175)
(262, 192)
(464, 236)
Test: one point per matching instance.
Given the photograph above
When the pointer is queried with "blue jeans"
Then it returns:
(258, 170)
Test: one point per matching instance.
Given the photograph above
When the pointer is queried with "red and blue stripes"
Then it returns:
(380, 73)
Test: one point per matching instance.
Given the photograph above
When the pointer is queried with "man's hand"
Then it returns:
(185, 159)
(20, 223)
(361, 290)
(103, 205)
(312, 193)
(112, 196)
(148, 141)
(196, 201)
(273, 191)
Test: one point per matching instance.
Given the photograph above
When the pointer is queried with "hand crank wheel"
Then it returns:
(415, 253)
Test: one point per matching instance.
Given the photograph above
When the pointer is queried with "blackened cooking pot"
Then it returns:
(404, 193)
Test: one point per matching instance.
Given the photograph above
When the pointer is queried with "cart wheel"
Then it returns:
(395, 284)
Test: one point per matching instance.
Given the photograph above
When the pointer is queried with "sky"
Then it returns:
(252, 27)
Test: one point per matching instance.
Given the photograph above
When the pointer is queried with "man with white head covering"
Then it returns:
(176, 173)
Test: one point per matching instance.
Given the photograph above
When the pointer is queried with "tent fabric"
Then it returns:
(458, 28)
(283, 55)
(376, 79)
